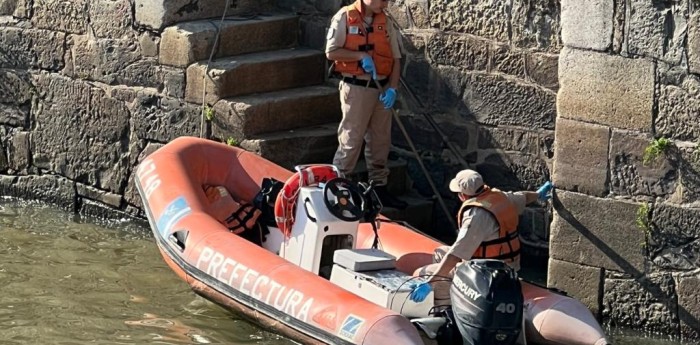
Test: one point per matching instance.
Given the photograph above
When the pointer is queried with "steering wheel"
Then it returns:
(342, 197)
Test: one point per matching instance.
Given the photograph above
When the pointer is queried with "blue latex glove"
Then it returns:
(388, 97)
(368, 65)
(543, 191)
(420, 291)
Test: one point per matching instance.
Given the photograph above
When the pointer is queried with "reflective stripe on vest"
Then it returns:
(507, 245)
(374, 40)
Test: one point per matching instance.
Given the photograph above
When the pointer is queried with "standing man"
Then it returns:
(488, 229)
(363, 43)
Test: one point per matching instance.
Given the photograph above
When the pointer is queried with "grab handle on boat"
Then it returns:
(300, 170)
(306, 208)
(179, 238)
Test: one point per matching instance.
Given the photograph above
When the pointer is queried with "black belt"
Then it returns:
(367, 83)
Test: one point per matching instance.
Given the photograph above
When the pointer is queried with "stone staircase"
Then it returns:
(269, 95)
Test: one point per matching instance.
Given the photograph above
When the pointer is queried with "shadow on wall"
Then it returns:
(655, 289)
(502, 126)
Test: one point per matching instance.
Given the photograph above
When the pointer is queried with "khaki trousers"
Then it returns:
(364, 120)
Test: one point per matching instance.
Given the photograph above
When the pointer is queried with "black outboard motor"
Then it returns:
(487, 302)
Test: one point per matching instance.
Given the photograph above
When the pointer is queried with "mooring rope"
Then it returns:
(205, 106)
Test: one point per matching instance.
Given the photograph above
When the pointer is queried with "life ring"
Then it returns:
(285, 205)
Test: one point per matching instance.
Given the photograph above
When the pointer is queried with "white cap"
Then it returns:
(467, 182)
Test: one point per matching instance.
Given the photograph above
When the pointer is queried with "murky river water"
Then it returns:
(67, 280)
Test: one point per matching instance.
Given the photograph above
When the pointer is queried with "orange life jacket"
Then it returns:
(237, 217)
(373, 40)
(507, 246)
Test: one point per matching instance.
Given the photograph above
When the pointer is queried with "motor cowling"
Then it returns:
(487, 302)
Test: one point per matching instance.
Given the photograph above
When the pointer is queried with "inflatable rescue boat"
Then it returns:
(318, 271)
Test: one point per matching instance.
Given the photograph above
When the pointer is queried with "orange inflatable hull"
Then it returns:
(251, 280)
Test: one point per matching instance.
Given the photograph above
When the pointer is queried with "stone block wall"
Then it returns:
(85, 89)
(83, 97)
(626, 229)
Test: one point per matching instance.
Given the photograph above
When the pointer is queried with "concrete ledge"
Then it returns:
(185, 43)
(54, 189)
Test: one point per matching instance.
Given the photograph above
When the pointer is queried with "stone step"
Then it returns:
(157, 14)
(317, 144)
(419, 212)
(398, 183)
(185, 43)
(246, 116)
(309, 145)
(255, 72)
